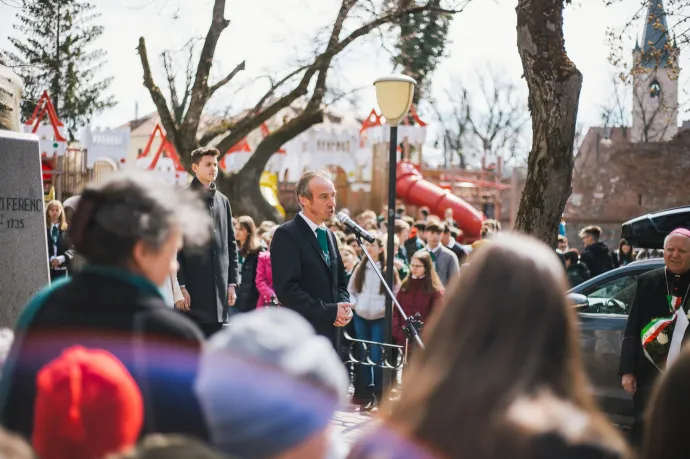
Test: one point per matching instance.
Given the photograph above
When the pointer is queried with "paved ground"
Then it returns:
(350, 422)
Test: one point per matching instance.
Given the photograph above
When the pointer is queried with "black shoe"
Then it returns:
(372, 404)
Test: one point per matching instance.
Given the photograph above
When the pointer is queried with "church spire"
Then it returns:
(655, 39)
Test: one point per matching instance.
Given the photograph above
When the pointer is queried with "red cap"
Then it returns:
(87, 406)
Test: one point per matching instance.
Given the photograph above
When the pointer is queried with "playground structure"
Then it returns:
(413, 189)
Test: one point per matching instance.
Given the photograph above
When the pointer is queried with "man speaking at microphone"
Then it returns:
(308, 273)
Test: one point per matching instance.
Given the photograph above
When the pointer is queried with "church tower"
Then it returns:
(655, 80)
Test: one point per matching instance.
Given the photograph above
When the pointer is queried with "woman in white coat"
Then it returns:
(368, 298)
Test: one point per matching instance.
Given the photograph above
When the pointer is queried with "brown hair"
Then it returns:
(668, 408)
(434, 227)
(432, 283)
(302, 189)
(593, 231)
(204, 151)
(251, 244)
(62, 220)
(520, 340)
(362, 267)
(350, 238)
(400, 226)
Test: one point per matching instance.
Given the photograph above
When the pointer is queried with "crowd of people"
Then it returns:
(126, 354)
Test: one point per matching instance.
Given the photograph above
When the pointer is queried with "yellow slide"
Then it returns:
(269, 188)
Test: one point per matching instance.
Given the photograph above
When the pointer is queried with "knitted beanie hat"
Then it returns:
(87, 405)
(267, 383)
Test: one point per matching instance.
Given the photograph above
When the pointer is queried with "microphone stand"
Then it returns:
(410, 329)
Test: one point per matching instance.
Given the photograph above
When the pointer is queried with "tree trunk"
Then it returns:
(554, 84)
(242, 188)
(245, 197)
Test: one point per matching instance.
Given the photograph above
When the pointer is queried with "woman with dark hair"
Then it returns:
(501, 375)
(624, 254)
(421, 292)
(669, 407)
(128, 229)
(368, 298)
(249, 247)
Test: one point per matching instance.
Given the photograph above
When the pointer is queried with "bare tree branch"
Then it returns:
(227, 79)
(493, 124)
(200, 89)
(171, 128)
(320, 65)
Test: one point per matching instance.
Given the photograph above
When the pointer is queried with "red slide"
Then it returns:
(413, 189)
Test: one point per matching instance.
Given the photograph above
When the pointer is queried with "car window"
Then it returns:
(612, 295)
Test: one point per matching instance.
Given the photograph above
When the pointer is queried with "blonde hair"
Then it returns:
(62, 220)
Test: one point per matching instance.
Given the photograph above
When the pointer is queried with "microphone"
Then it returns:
(358, 230)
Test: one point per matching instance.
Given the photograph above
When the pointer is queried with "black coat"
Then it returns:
(577, 274)
(649, 303)
(247, 293)
(598, 258)
(206, 273)
(108, 309)
(63, 244)
(303, 281)
(459, 252)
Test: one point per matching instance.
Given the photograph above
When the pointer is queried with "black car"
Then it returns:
(603, 304)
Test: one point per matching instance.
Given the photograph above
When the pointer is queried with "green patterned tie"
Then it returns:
(54, 233)
(323, 243)
(433, 256)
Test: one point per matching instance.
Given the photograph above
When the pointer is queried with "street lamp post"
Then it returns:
(394, 96)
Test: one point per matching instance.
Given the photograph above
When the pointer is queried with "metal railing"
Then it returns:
(393, 356)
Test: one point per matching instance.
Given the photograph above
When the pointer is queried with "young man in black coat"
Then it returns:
(308, 272)
(596, 256)
(651, 301)
(208, 278)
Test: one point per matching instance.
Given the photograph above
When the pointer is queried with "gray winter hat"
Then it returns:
(267, 383)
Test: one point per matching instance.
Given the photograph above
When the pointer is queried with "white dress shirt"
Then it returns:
(313, 226)
(61, 258)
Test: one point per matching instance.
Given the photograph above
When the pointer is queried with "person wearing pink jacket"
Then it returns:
(264, 278)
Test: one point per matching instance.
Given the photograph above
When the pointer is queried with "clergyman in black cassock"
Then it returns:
(651, 302)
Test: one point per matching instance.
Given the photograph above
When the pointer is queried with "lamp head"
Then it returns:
(394, 96)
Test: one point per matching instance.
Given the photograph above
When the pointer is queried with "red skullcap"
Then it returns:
(87, 406)
(682, 231)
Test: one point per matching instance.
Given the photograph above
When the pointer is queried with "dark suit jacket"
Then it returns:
(63, 244)
(303, 281)
(206, 273)
(459, 252)
(649, 303)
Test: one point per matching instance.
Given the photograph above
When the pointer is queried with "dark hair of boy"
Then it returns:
(435, 228)
(204, 151)
(573, 255)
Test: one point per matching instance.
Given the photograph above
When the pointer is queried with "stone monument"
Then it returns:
(23, 236)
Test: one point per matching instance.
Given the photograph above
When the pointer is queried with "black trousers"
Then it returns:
(210, 329)
(57, 274)
(640, 405)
